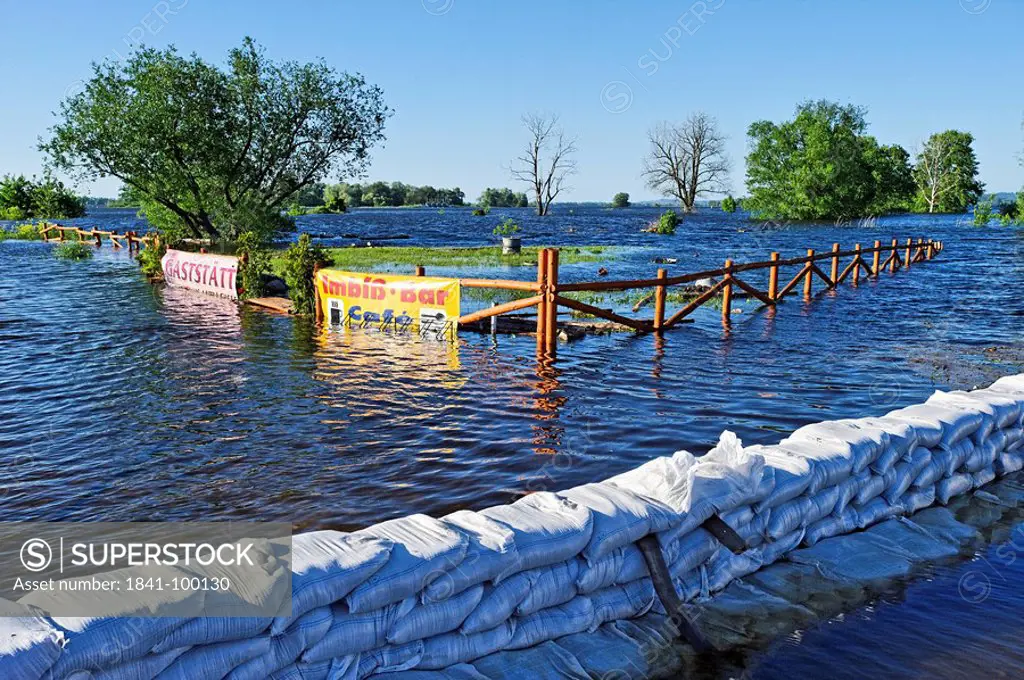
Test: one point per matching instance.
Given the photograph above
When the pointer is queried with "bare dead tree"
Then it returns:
(546, 161)
(687, 159)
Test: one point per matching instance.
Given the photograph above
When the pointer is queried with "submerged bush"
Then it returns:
(149, 259)
(300, 261)
(983, 213)
(729, 204)
(253, 263)
(666, 224)
(73, 250)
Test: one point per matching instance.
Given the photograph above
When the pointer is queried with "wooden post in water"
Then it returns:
(659, 304)
(773, 279)
(929, 253)
(875, 261)
(834, 274)
(810, 273)
(727, 294)
(895, 255)
(542, 306)
(856, 264)
(552, 312)
(910, 252)
(420, 270)
(99, 241)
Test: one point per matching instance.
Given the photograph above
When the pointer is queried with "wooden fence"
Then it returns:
(129, 239)
(549, 293)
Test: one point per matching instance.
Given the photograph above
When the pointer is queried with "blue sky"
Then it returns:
(460, 73)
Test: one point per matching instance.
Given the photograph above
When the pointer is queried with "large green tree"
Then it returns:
(22, 198)
(214, 152)
(946, 173)
(822, 165)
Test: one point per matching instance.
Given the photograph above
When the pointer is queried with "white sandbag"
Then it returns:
(983, 477)
(547, 661)
(338, 669)
(793, 475)
(623, 602)
(887, 459)
(1008, 463)
(849, 488)
(620, 517)
(902, 476)
(1002, 409)
(1010, 384)
(554, 622)
(550, 587)
(422, 548)
(958, 455)
(873, 487)
(29, 645)
(843, 523)
(902, 436)
(603, 572)
(727, 477)
(547, 529)
(1012, 436)
(918, 499)
(609, 654)
(774, 551)
(327, 566)
(693, 550)
(788, 517)
(754, 532)
(878, 510)
(148, 667)
(212, 662)
(859, 440)
(207, 630)
(434, 618)
(351, 633)
(664, 479)
(287, 647)
(390, 659)
(954, 486)
(831, 462)
(927, 421)
(935, 470)
(98, 643)
(982, 456)
(498, 603)
(724, 567)
(491, 550)
(443, 651)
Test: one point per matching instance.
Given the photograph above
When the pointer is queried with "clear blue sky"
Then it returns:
(459, 73)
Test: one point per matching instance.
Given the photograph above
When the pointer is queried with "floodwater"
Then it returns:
(122, 401)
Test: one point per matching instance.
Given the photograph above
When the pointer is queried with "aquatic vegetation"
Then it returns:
(300, 261)
(22, 232)
(665, 225)
(149, 259)
(507, 228)
(73, 250)
(253, 262)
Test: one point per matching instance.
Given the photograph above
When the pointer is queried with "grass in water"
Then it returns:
(363, 259)
(72, 250)
(22, 232)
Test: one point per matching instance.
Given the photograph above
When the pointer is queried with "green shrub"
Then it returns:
(507, 228)
(667, 223)
(149, 259)
(300, 261)
(481, 212)
(12, 213)
(983, 213)
(253, 263)
(73, 250)
(729, 204)
(620, 200)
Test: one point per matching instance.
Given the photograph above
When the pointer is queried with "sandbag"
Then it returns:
(498, 603)
(793, 475)
(548, 661)
(982, 456)
(460, 671)
(338, 669)
(620, 517)
(447, 650)
(213, 662)
(903, 439)
(725, 478)
(98, 643)
(877, 510)
(849, 488)
(902, 476)
(547, 529)
(550, 587)
(390, 659)
(207, 630)
(351, 633)
(422, 547)
(950, 488)
(860, 441)
(287, 647)
(29, 645)
(623, 602)
(609, 654)
(554, 622)
(918, 499)
(827, 527)
(773, 551)
(693, 550)
(327, 566)
(603, 572)
(874, 486)
(789, 517)
(724, 567)
(435, 618)
(1008, 463)
(490, 551)
(831, 461)
(1003, 410)
(983, 477)
(855, 558)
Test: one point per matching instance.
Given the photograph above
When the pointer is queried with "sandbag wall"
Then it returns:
(427, 594)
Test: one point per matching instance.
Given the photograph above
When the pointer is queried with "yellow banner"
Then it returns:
(425, 305)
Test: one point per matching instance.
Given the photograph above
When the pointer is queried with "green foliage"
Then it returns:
(22, 232)
(822, 165)
(729, 204)
(295, 210)
(983, 213)
(666, 224)
(481, 212)
(502, 198)
(149, 259)
(507, 228)
(620, 200)
(72, 250)
(946, 174)
(127, 197)
(213, 152)
(300, 261)
(22, 198)
(334, 198)
(253, 263)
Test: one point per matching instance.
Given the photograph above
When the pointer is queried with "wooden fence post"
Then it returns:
(420, 270)
(856, 264)
(895, 255)
(659, 304)
(773, 279)
(875, 261)
(727, 293)
(542, 306)
(929, 253)
(910, 253)
(552, 311)
(61, 232)
(810, 273)
(99, 241)
(834, 274)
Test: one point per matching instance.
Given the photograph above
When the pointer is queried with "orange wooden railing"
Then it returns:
(129, 239)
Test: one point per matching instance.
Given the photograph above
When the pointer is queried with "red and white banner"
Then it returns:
(213, 274)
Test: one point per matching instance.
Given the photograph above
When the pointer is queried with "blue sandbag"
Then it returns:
(491, 551)
(147, 667)
(352, 633)
(29, 645)
(548, 661)
(550, 587)
(207, 630)
(427, 620)
(286, 648)
(213, 662)
(447, 650)
(554, 622)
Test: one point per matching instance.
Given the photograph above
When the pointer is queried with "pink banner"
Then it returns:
(213, 274)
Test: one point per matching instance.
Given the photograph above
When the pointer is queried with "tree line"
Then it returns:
(22, 198)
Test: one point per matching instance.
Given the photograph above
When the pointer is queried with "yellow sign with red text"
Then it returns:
(425, 305)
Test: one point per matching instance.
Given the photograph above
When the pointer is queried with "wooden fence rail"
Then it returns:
(129, 239)
(550, 293)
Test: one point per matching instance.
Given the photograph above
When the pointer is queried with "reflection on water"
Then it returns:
(122, 401)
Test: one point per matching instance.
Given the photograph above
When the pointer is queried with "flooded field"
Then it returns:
(124, 402)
